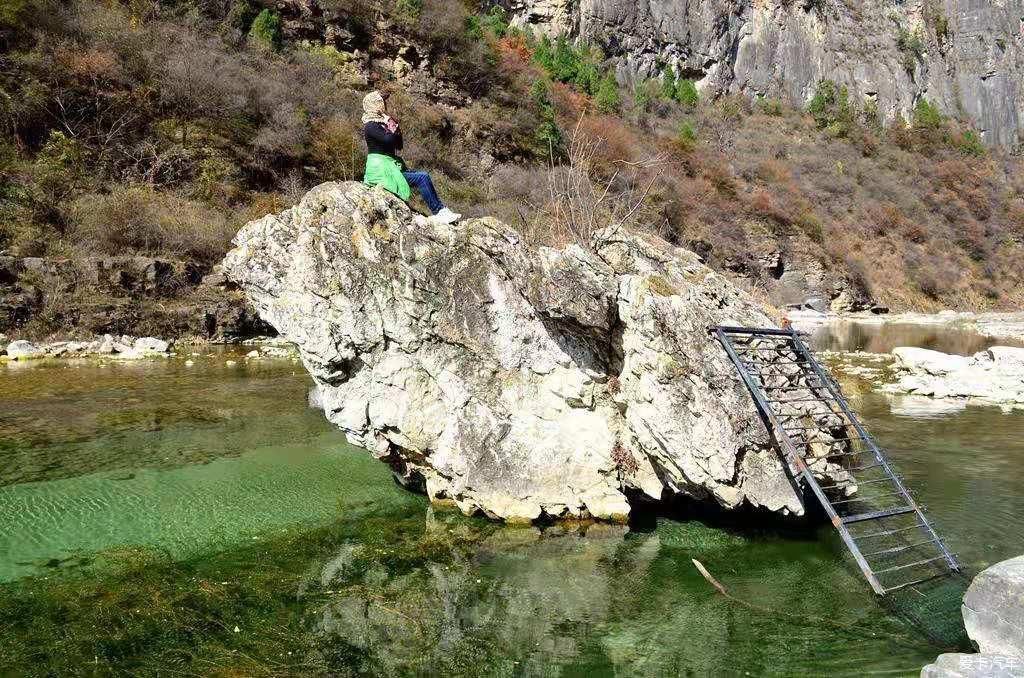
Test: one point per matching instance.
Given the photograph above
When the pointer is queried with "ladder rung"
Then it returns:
(885, 533)
(891, 495)
(875, 515)
(803, 400)
(836, 440)
(897, 549)
(906, 565)
(911, 583)
(813, 428)
(857, 482)
(776, 362)
(857, 469)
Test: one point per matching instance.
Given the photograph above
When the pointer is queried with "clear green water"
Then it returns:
(150, 510)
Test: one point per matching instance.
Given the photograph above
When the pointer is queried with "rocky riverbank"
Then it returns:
(1000, 326)
(993, 612)
(128, 348)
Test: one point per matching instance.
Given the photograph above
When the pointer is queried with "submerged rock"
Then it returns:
(996, 375)
(517, 381)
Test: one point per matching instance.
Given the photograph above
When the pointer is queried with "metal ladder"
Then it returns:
(882, 526)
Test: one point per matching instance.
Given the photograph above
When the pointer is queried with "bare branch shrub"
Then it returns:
(140, 219)
(580, 204)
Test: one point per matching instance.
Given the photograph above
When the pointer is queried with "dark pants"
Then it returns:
(422, 183)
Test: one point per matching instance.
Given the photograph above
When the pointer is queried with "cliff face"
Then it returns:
(966, 56)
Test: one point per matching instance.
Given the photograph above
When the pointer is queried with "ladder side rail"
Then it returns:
(797, 461)
(833, 388)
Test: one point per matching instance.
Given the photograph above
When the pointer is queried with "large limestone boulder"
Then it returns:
(993, 608)
(517, 381)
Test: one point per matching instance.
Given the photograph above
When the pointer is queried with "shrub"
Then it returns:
(771, 107)
(970, 144)
(686, 93)
(139, 219)
(911, 47)
(927, 115)
(336, 149)
(548, 135)
(607, 98)
(266, 29)
(830, 107)
(668, 85)
(686, 136)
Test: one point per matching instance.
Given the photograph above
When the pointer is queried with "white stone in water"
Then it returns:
(189, 363)
(151, 345)
(106, 346)
(230, 363)
(23, 350)
(515, 381)
(252, 354)
(995, 375)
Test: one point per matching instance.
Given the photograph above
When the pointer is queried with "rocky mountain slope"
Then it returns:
(525, 383)
(140, 136)
(965, 56)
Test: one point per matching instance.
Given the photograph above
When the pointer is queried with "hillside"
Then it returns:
(140, 136)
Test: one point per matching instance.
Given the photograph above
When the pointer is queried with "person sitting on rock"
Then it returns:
(385, 168)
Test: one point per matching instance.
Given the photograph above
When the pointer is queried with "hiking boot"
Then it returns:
(446, 216)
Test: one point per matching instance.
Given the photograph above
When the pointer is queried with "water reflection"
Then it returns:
(606, 601)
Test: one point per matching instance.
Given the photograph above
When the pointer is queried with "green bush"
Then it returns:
(911, 47)
(566, 63)
(970, 144)
(607, 97)
(668, 85)
(686, 136)
(686, 93)
(548, 135)
(927, 116)
(771, 107)
(266, 29)
(830, 107)
(494, 22)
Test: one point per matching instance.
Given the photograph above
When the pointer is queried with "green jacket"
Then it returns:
(383, 170)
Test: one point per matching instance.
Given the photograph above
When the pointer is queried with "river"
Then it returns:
(167, 519)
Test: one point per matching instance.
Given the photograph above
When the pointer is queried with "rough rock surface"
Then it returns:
(967, 56)
(520, 382)
(995, 375)
(993, 608)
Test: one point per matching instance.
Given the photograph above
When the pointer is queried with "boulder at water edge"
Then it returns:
(518, 381)
(993, 612)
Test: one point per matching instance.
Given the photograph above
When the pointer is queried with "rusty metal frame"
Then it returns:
(795, 463)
